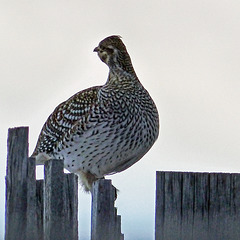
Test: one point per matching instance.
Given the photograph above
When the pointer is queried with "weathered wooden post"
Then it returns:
(19, 201)
(105, 224)
(40, 207)
(53, 213)
(32, 230)
(200, 206)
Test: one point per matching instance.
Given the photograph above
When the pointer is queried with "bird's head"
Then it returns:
(113, 52)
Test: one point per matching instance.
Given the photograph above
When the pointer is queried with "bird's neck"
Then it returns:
(119, 76)
(121, 70)
(121, 62)
(116, 68)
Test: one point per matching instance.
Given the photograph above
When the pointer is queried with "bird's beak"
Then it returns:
(96, 49)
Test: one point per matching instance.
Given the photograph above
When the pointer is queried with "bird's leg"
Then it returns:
(86, 180)
(115, 189)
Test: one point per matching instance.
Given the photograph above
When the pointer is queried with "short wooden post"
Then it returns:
(199, 206)
(105, 224)
(71, 206)
(102, 210)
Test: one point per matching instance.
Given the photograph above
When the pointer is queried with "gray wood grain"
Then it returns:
(16, 184)
(71, 206)
(198, 206)
(54, 210)
(32, 225)
(60, 202)
(40, 207)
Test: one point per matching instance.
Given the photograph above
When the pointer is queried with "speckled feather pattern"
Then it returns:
(105, 129)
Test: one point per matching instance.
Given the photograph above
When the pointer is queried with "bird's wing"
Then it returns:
(65, 116)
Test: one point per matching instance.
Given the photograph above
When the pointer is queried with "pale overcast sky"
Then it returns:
(187, 55)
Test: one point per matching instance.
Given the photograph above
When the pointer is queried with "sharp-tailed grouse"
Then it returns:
(104, 129)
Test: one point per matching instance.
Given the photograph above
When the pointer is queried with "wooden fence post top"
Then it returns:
(105, 224)
(60, 203)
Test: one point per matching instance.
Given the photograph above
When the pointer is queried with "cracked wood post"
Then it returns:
(105, 224)
(199, 206)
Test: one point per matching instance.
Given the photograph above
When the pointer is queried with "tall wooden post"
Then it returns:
(19, 188)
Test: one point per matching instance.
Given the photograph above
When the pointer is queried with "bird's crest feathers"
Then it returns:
(114, 41)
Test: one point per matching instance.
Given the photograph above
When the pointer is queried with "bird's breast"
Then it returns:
(110, 141)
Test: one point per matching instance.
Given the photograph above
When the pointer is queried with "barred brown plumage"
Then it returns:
(104, 129)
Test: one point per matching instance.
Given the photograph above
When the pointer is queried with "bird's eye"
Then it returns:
(110, 50)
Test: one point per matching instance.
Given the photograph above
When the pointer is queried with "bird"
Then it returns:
(105, 129)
